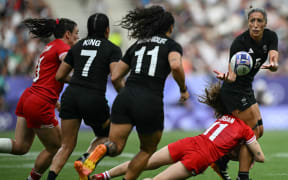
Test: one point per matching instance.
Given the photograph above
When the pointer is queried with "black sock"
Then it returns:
(243, 176)
(223, 162)
(225, 159)
(51, 175)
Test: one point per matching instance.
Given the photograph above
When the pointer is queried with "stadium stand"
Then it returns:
(205, 29)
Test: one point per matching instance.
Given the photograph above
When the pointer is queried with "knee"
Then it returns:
(113, 149)
(53, 148)
(20, 148)
(148, 149)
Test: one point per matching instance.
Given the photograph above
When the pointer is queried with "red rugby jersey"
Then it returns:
(44, 82)
(224, 134)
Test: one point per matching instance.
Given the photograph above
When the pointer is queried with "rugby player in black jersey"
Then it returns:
(92, 58)
(149, 60)
(237, 93)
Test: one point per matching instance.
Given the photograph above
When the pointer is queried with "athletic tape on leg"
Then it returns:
(5, 145)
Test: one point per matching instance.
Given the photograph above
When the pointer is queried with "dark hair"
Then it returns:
(97, 24)
(262, 11)
(47, 27)
(213, 99)
(147, 22)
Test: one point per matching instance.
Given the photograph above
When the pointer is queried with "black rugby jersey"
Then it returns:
(91, 58)
(148, 61)
(259, 54)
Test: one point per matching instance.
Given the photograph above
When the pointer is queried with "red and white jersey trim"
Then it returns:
(251, 140)
(62, 54)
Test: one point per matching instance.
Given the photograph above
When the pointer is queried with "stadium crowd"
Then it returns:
(204, 28)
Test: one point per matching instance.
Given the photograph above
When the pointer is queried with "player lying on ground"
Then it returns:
(192, 155)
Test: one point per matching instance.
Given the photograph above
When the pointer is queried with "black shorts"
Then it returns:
(236, 100)
(82, 103)
(139, 107)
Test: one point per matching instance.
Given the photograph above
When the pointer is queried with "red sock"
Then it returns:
(34, 175)
(102, 176)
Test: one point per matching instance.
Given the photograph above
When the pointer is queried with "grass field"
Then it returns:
(274, 144)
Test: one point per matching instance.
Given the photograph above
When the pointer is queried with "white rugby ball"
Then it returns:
(241, 63)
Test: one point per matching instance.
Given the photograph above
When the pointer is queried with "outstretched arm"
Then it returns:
(229, 76)
(273, 61)
(255, 148)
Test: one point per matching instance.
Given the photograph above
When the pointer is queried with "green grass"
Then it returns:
(274, 145)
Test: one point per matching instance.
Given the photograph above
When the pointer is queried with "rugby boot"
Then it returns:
(92, 160)
(220, 167)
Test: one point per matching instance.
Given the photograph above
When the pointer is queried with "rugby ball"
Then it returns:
(241, 63)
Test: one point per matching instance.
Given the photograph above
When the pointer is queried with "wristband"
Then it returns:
(183, 90)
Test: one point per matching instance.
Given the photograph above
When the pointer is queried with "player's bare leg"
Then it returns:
(51, 139)
(69, 139)
(175, 171)
(117, 139)
(21, 144)
(160, 158)
(250, 116)
(78, 164)
(24, 138)
(148, 145)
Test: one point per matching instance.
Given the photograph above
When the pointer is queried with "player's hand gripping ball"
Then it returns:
(241, 63)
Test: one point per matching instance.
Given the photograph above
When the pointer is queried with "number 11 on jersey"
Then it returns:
(216, 131)
(154, 57)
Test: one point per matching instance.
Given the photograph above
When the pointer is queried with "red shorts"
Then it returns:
(37, 112)
(188, 151)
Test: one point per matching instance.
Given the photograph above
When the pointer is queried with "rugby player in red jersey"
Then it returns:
(36, 107)
(192, 155)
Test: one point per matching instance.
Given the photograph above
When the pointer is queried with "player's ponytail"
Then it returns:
(213, 99)
(97, 25)
(46, 27)
(144, 23)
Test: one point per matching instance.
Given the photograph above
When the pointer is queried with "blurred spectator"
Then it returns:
(18, 51)
(206, 28)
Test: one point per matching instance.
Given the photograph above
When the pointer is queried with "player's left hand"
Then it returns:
(272, 66)
(273, 62)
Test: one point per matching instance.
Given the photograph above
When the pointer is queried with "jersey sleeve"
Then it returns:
(128, 56)
(116, 54)
(62, 50)
(249, 135)
(273, 45)
(235, 47)
(174, 46)
(69, 58)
